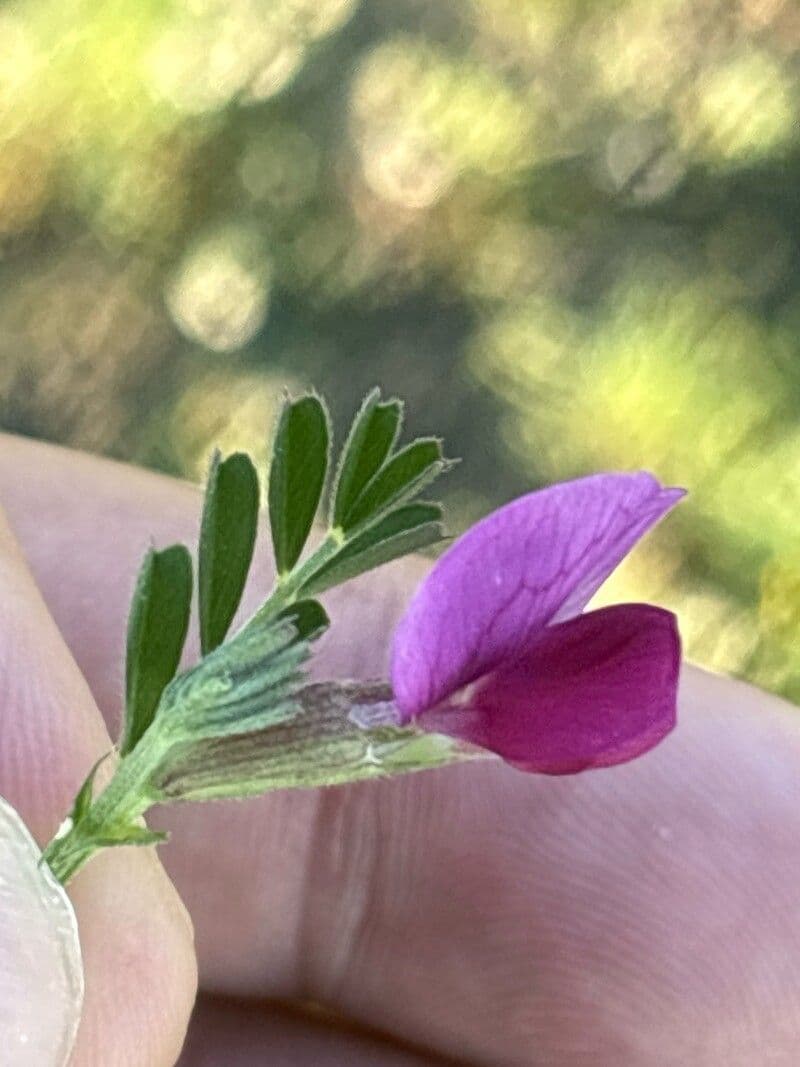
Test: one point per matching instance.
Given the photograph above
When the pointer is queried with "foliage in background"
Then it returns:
(568, 229)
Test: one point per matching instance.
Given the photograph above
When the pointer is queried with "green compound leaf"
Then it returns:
(371, 439)
(407, 529)
(157, 628)
(406, 474)
(244, 720)
(227, 539)
(297, 476)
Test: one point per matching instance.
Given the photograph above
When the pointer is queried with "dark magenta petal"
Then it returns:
(595, 691)
(535, 561)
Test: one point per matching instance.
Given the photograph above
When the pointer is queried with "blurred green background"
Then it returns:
(568, 233)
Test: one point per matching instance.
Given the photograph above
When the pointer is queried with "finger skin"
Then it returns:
(645, 915)
(136, 940)
(240, 1034)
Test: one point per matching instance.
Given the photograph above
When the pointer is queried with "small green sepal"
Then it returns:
(85, 795)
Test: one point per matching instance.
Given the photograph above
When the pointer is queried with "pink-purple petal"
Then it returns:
(536, 561)
(592, 692)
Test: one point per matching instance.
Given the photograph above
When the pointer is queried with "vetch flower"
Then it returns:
(493, 648)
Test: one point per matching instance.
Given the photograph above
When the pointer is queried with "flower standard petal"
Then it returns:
(595, 691)
(535, 561)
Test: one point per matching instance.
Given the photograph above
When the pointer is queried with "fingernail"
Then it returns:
(41, 972)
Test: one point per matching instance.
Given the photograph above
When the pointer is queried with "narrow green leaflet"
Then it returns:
(408, 529)
(157, 628)
(308, 617)
(227, 539)
(297, 476)
(406, 473)
(85, 795)
(371, 439)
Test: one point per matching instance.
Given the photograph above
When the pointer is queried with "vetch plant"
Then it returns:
(493, 655)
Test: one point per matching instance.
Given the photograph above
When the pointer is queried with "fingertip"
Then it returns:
(138, 948)
(136, 939)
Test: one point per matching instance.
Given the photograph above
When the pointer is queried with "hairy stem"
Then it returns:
(120, 805)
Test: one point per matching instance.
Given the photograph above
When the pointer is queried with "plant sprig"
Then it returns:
(243, 719)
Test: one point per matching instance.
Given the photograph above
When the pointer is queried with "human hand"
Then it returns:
(643, 916)
(135, 935)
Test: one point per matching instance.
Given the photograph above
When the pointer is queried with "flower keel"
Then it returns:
(592, 692)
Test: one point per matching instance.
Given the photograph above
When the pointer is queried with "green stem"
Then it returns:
(289, 588)
(120, 805)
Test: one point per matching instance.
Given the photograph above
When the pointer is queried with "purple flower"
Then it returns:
(493, 648)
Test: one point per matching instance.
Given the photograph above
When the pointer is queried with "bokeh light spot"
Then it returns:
(220, 293)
